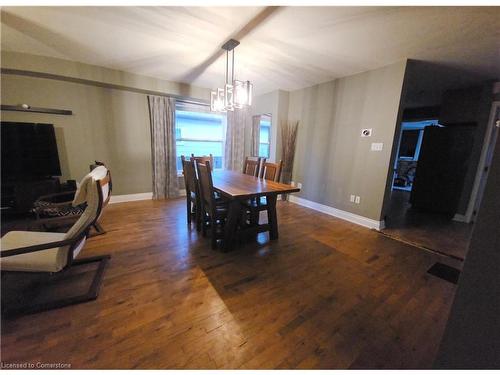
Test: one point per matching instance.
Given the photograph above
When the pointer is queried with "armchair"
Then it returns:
(43, 258)
(56, 210)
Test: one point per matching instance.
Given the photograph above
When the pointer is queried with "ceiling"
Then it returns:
(281, 48)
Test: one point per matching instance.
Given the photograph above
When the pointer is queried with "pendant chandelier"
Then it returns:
(235, 94)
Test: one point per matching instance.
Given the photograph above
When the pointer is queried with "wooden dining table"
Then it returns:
(239, 188)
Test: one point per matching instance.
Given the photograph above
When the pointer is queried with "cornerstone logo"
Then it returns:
(34, 365)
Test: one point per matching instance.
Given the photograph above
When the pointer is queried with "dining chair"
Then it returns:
(192, 194)
(252, 165)
(213, 210)
(270, 172)
(203, 159)
(32, 262)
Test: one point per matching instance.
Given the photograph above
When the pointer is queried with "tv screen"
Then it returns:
(29, 151)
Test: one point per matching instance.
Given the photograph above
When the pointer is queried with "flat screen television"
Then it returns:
(29, 151)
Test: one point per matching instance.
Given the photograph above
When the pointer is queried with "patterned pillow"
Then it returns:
(44, 209)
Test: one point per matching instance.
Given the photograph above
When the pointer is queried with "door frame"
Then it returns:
(484, 161)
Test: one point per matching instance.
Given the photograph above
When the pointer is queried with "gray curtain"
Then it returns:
(255, 135)
(163, 153)
(234, 145)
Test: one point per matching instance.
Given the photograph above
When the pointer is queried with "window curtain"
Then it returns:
(234, 145)
(255, 135)
(163, 153)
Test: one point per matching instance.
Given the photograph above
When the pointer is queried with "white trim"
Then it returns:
(345, 215)
(130, 197)
(476, 194)
(460, 218)
(137, 197)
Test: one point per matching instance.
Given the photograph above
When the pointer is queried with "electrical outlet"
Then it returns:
(358, 199)
(377, 146)
(299, 185)
(353, 197)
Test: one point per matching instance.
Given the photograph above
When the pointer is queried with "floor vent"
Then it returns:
(445, 272)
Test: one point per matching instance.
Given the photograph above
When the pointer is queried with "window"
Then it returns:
(265, 136)
(199, 132)
(409, 142)
(412, 134)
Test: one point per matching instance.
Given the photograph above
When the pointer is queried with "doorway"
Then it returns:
(428, 178)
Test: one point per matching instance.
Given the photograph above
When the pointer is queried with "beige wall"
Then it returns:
(107, 124)
(96, 75)
(332, 160)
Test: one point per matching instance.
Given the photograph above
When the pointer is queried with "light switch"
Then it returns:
(377, 146)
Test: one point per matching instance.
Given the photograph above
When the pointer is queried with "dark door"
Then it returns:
(442, 165)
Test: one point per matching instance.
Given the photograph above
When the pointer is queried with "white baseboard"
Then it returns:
(130, 197)
(345, 215)
(137, 197)
(461, 218)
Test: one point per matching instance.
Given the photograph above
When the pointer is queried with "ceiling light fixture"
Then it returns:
(235, 94)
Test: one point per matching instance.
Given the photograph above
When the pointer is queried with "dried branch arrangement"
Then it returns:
(289, 141)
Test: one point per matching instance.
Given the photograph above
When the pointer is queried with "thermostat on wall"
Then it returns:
(366, 132)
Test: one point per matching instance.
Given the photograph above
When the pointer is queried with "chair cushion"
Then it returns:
(46, 210)
(51, 260)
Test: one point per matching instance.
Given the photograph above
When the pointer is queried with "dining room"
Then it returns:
(209, 190)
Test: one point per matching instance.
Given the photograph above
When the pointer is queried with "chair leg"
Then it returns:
(198, 216)
(99, 230)
(214, 234)
(28, 307)
(188, 208)
(254, 217)
(98, 227)
(203, 223)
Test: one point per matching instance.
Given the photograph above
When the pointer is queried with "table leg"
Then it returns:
(272, 217)
(231, 224)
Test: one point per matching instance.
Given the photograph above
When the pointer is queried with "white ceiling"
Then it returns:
(293, 47)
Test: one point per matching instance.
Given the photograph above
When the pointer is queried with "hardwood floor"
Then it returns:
(432, 231)
(327, 294)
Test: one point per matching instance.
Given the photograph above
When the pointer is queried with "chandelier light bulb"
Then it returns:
(235, 94)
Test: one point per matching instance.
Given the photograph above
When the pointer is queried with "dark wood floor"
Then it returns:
(433, 231)
(327, 294)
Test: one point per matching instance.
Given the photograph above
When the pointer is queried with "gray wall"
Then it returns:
(472, 335)
(107, 124)
(332, 160)
(479, 112)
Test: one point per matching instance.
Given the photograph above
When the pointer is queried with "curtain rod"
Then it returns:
(182, 99)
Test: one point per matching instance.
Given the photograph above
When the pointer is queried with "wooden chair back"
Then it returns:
(203, 159)
(189, 173)
(206, 186)
(106, 183)
(272, 171)
(93, 211)
(252, 165)
(106, 188)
